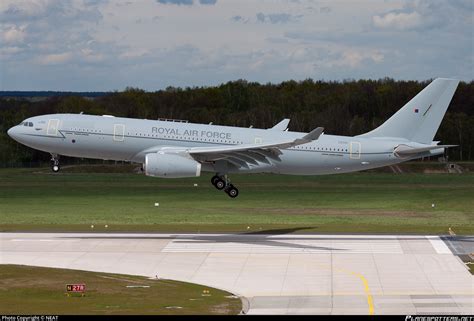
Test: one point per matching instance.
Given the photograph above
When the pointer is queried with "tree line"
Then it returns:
(343, 108)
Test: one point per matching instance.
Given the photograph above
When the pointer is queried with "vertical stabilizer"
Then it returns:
(420, 118)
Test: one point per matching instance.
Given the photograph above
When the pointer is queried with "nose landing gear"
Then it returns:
(223, 183)
(55, 163)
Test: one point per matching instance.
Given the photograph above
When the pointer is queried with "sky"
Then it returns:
(104, 45)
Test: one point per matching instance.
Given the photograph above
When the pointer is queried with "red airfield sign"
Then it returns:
(76, 288)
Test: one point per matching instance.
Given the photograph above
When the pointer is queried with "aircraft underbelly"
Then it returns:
(311, 163)
(317, 163)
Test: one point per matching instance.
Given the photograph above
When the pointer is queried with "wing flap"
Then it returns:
(246, 155)
(313, 135)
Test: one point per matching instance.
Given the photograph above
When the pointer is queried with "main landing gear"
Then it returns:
(55, 163)
(223, 183)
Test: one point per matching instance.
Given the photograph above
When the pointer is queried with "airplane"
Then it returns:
(175, 148)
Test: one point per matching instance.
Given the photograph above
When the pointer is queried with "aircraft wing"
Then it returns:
(250, 154)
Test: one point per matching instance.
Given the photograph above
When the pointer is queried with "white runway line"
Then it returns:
(32, 240)
(439, 245)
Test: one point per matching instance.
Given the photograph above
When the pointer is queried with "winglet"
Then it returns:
(283, 125)
(314, 134)
(309, 137)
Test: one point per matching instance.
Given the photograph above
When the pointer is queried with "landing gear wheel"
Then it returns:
(219, 183)
(214, 179)
(232, 191)
(55, 163)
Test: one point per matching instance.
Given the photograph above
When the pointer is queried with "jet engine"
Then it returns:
(171, 165)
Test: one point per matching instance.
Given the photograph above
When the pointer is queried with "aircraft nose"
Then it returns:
(13, 132)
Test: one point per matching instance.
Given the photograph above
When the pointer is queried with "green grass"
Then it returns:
(471, 268)
(358, 203)
(37, 290)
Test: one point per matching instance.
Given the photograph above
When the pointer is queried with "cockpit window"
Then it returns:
(25, 123)
(30, 124)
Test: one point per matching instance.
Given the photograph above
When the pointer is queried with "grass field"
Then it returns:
(36, 199)
(37, 290)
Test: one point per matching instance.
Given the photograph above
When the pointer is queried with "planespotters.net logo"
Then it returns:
(439, 318)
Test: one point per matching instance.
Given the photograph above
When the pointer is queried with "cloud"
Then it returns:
(55, 58)
(398, 20)
(106, 45)
(462, 4)
(94, 2)
(187, 2)
(8, 51)
(14, 34)
(260, 17)
(239, 19)
(275, 18)
(423, 15)
(50, 11)
(210, 2)
(355, 58)
(48, 32)
(123, 4)
(272, 18)
(325, 9)
(177, 2)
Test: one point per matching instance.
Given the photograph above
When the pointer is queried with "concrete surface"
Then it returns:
(275, 274)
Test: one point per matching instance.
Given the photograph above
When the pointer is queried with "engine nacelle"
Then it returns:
(171, 166)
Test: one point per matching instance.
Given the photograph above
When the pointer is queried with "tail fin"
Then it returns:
(420, 118)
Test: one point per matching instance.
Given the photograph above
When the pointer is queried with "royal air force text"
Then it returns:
(191, 133)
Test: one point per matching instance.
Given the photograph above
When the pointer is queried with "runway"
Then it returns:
(276, 274)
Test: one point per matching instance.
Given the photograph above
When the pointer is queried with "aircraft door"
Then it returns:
(53, 126)
(119, 132)
(354, 150)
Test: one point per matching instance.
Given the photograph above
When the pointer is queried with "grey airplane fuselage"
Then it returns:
(126, 139)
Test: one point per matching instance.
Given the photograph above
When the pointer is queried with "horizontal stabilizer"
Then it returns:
(282, 126)
(405, 150)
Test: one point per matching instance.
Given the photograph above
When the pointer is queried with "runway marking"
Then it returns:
(439, 245)
(32, 240)
(370, 299)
